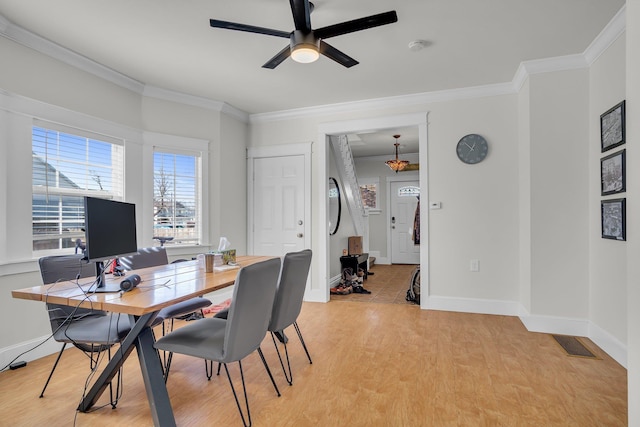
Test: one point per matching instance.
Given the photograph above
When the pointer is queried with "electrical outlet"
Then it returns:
(474, 265)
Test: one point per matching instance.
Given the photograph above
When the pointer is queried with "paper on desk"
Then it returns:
(225, 267)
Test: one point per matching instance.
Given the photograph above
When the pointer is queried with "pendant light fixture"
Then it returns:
(397, 164)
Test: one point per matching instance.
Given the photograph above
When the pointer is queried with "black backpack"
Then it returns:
(413, 294)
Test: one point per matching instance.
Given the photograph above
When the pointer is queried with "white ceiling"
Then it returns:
(169, 44)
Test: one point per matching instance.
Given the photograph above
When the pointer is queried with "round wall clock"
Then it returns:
(472, 148)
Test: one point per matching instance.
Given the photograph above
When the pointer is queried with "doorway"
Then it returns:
(321, 176)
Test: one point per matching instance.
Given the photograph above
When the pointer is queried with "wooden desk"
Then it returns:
(161, 287)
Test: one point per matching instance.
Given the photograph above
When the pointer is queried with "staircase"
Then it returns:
(347, 173)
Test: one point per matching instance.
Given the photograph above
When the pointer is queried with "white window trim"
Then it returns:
(178, 145)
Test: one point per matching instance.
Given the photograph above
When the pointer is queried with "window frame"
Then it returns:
(174, 144)
(197, 190)
(88, 138)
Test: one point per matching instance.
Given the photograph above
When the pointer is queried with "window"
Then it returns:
(369, 194)
(176, 197)
(67, 166)
(408, 191)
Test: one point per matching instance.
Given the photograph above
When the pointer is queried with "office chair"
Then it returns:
(152, 257)
(231, 340)
(91, 331)
(287, 304)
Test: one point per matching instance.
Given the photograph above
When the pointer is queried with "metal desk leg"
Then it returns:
(141, 338)
(154, 380)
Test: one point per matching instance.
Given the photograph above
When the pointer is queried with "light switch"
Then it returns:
(435, 205)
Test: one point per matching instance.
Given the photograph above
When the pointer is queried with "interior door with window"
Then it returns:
(404, 201)
(278, 205)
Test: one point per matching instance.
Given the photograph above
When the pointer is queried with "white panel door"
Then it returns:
(278, 205)
(403, 209)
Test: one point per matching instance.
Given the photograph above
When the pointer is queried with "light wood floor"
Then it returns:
(373, 365)
(388, 285)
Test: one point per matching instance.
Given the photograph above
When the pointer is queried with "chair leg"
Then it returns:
(208, 368)
(55, 364)
(295, 325)
(264, 362)
(244, 388)
(288, 377)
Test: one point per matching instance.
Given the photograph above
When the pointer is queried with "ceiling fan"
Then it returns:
(306, 44)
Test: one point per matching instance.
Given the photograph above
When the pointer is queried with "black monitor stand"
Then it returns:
(101, 282)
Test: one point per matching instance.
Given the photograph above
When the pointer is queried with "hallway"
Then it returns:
(388, 285)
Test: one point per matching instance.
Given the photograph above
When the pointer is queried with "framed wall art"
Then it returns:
(612, 127)
(613, 219)
(612, 173)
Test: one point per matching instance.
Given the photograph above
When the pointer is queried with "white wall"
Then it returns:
(607, 258)
(559, 182)
(633, 207)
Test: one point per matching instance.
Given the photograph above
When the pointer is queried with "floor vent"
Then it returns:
(573, 346)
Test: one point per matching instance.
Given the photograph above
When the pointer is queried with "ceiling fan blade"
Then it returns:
(356, 25)
(338, 56)
(277, 60)
(247, 28)
(301, 11)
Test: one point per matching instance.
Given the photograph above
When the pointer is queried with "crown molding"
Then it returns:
(195, 101)
(614, 29)
(389, 102)
(611, 32)
(26, 38)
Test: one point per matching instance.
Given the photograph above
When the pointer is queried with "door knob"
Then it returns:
(300, 222)
(299, 234)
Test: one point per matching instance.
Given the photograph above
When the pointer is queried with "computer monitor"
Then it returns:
(110, 232)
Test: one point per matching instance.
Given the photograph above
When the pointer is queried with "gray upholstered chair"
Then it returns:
(91, 331)
(232, 339)
(152, 257)
(287, 304)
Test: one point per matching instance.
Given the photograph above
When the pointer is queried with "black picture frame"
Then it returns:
(613, 212)
(613, 173)
(612, 127)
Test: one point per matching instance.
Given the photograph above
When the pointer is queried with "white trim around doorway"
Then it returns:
(321, 176)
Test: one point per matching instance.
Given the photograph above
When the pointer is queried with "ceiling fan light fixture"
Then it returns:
(304, 47)
(396, 164)
(305, 54)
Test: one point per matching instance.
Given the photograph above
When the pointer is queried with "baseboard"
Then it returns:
(577, 327)
(609, 344)
(333, 282)
(33, 349)
(471, 305)
(535, 323)
(555, 325)
(383, 260)
(316, 295)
